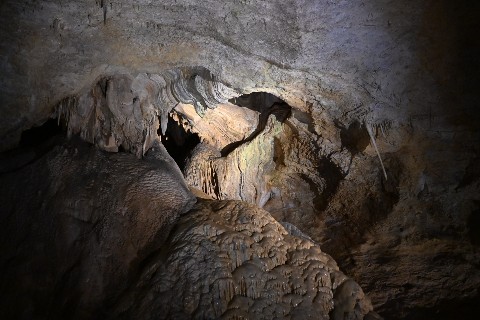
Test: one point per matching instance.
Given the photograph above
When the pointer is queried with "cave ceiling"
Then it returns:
(352, 59)
(355, 122)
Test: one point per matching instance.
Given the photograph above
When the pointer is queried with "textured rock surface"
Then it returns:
(91, 218)
(128, 111)
(339, 56)
(101, 237)
(418, 244)
(242, 175)
(231, 260)
(216, 128)
(407, 71)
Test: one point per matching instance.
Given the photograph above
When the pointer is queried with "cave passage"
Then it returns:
(266, 104)
(37, 135)
(178, 142)
(33, 144)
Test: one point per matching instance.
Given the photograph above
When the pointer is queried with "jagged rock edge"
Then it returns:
(106, 124)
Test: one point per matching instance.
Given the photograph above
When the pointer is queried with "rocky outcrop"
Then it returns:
(231, 260)
(76, 225)
(217, 128)
(271, 166)
(107, 235)
(243, 174)
(125, 111)
(338, 194)
(370, 83)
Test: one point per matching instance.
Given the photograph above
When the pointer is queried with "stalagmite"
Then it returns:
(247, 280)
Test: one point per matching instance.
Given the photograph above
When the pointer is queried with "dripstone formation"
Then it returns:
(186, 159)
(107, 235)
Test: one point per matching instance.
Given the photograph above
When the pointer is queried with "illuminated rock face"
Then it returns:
(125, 111)
(108, 234)
(363, 78)
(231, 260)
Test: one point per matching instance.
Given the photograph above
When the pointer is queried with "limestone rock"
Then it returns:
(221, 127)
(242, 174)
(90, 219)
(405, 71)
(231, 260)
(106, 234)
(126, 111)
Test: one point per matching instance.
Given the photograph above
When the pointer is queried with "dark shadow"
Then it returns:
(266, 104)
(355, 138)
(178, 142)
(33, 144)
(465, 309)
(472, 173)
(37, 135)
(332, 175)
(474, 226)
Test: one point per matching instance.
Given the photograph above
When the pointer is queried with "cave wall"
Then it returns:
(386, 59)
(89, 234)
(78, 223)
(408, 71)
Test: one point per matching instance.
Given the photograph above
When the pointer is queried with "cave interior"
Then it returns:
(250, 160)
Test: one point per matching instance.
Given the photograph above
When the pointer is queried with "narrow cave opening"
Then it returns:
(38, 135)
(33, 144)
(265, 104)
(178, 142)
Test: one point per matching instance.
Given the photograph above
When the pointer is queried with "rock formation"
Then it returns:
(231, 260)
(101, 236)
(127, 112)
(77, 224)
(352, 123)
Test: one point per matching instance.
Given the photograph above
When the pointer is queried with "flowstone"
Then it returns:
(232, 260)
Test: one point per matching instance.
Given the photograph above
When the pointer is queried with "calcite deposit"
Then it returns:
(354, 124)
(89, 220)
(231, 260)
(108, 235)
(125, 111)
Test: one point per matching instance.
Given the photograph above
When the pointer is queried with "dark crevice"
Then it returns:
(34, 143)
(474, 226)
(278, 154)
(355, 138)
(178, 142)
(266, 104)
(216, 187)
(38, 135)
(333, 176)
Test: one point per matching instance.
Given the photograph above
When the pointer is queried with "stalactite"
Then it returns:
(374, 143)
(154, 96)
(104, 7)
